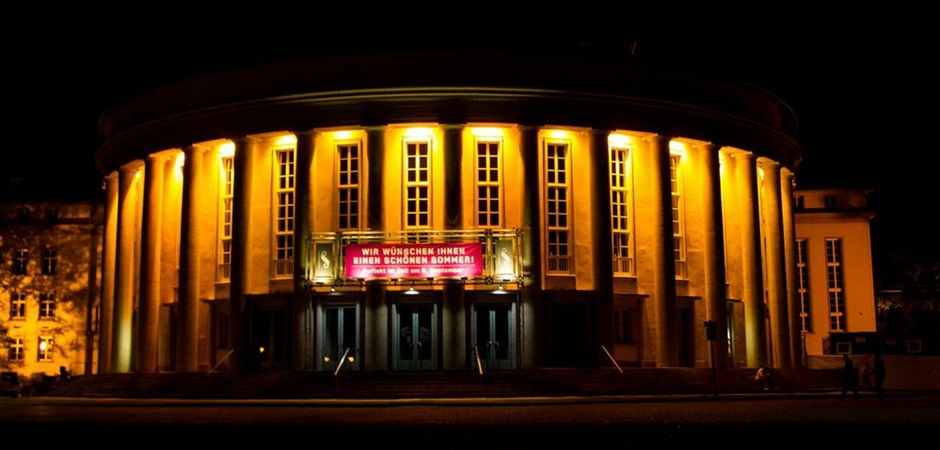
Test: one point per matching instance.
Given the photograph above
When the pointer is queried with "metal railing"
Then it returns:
(476, 355)
(612, 359)
(341, 361)
(216, 366)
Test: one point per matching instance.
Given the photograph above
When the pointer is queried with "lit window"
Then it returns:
(16, 350)
(49, 261)
(284, 216)
(225, 222)
(802, 269)
(677, 224)
(834, 282)
(620, 183)
(46, 306)
(348, 186)
(556, 209)
(45, 349)
(488, 184)
(417, 185)
(17, 306)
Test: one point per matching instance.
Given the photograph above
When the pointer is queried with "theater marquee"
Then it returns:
(458, 260)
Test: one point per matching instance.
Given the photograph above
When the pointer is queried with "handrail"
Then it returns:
(341, 361)
(612, 359)
(476, 353)
(216, 366)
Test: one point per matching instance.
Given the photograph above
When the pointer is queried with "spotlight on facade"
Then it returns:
(411, 290)
(499, 290)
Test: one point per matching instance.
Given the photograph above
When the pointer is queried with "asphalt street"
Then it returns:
(727, 422)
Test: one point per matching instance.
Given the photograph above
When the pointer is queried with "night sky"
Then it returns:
(860, 80)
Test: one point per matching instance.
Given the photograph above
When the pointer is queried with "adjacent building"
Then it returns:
(835, 287)
(50, 247)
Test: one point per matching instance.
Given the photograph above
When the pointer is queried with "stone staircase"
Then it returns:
(437, 384)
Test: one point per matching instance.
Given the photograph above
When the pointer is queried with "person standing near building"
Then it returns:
(849, 377)
(878, 371)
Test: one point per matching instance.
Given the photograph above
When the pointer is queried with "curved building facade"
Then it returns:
(435, 211)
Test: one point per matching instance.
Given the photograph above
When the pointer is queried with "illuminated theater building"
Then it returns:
(415, 211)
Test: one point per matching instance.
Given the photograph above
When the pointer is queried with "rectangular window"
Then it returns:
(623, 329)
(45, 349)
(799, 203)
(225, 221)
(52, 215)
(22, 215)
(834, 286)
(348, 186)
(16, 350)
(802, 271)
(556, 209)
(20, 261)
(17, 306)
(488, 184)
(830, 201)
(677, 225)
(620, 183)
(417, 185)
(49, 260)
(284, 215)
(46, 306)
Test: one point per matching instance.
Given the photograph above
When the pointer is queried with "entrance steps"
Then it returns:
(437, 384)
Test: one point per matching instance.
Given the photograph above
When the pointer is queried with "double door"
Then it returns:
(493, 335)
(415, 337)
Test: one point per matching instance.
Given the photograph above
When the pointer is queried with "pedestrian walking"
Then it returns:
(878, 371)
(865, 374)
(849, 377)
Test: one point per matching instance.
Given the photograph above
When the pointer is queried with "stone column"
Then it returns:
(243, 162)
(716, 298)
(303, 350)
(375, 151)
(776, 265)
(188, 303)
(151, 238)
(122, 326)
(664, 282)
(752, 278)
(789, 248)
(108, 268)
(531, 308)
(376, 348)
(603, 255)
(454, 334)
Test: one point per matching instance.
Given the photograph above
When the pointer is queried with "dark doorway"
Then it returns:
(570, 342)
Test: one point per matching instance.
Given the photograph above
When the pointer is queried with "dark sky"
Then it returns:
(860, 80)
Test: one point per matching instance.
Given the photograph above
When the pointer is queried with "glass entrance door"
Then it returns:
(493, 335)
(416, 343)
(339, 344)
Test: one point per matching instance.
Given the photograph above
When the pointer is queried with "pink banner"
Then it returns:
(458, 259)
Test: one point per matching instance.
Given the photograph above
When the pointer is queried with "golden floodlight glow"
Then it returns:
(342, 135)
(618, 140)
(289, 139)
(559, 134)
(677, 148)
(487, 132)
(226, 150)
(418, 133)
